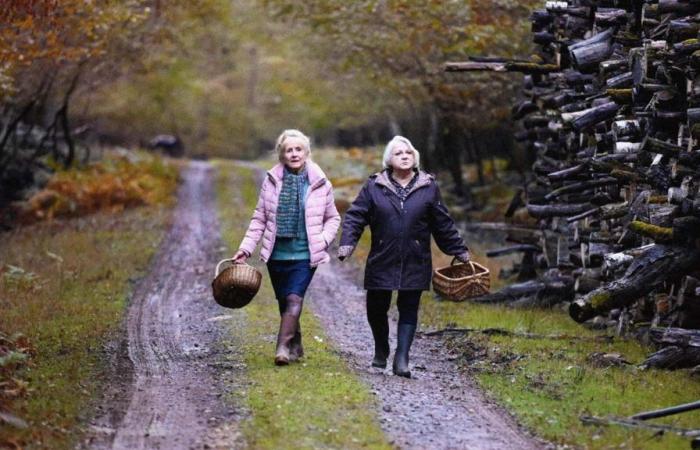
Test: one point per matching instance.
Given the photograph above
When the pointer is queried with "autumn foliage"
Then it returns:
(116, 183)
(63, 31)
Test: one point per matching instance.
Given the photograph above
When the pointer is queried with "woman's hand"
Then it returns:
(344, 251)
(463, 257)
(240, 257)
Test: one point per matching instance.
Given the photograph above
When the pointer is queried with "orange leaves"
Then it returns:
(34, 8)
(69, 30)
(112, 185)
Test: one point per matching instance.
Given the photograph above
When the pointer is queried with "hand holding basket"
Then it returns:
(459, 282)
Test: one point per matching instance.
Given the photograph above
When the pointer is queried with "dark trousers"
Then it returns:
(379, 301)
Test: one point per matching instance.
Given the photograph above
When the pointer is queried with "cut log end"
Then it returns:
(581, 311)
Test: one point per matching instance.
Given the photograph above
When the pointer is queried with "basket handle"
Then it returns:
(471, 264)
(217, 271)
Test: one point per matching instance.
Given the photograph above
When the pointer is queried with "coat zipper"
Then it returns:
(313, 187)
(403, 253)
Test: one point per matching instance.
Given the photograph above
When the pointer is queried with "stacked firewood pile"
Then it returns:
(612, 112)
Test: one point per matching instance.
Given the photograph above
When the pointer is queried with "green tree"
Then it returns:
(402, 45)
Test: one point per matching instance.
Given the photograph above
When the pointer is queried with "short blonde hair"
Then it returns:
(390, 147)
(279, 147)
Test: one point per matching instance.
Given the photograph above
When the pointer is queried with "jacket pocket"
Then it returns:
(420, 249)
(382, 248)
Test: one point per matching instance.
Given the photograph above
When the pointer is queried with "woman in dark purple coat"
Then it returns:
(403, 208)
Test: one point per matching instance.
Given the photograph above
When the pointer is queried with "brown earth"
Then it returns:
(168, 376)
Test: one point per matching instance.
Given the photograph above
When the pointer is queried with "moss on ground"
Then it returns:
(315, 403)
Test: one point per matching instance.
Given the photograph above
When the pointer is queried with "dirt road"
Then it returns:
(167, 379)
(438, 408)
(167, 393)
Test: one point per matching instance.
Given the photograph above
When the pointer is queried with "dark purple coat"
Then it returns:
(400, 256)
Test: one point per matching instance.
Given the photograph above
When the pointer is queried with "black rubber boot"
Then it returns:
(404, 338)
(380, 331)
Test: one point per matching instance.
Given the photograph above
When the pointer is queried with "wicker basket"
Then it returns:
(459, 282)
(236, 285)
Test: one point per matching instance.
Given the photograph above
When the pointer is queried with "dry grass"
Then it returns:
(118, 182)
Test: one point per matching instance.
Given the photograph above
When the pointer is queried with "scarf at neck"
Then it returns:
(290, 209)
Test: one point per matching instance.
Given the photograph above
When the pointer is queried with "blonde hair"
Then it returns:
(279, 146)
(390, 147)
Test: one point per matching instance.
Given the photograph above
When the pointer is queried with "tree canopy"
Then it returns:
(228, 76)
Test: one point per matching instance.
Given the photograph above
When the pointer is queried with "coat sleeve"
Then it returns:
(257, 224)
(331, 217)
(356, 219)
(443, 228)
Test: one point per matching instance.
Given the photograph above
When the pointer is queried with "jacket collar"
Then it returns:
(315, 174)
(382, 179)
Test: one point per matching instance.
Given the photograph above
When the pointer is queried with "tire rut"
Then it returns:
(173, 397)
(439, 408)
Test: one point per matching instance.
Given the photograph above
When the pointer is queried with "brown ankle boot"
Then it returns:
(288, 326)
(296, 350)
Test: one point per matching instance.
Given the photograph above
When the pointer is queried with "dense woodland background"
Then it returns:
(225, 77)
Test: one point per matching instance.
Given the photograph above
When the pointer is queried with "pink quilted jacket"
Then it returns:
(322, 218)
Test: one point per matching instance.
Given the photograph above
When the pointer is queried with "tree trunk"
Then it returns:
(595, 115)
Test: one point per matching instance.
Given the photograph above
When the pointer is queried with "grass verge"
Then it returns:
(316, 403)
(549, 383)
(63, 291)
(64, 286)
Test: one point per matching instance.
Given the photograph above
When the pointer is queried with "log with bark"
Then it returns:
(651, 270)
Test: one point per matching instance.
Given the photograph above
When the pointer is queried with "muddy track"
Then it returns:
(169, 373)
(438, 408)
(168, 394)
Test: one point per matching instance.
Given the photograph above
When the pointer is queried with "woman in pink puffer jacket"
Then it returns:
(296, 219)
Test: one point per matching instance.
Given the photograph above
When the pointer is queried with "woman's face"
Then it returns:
(294, 154)
(402, 157)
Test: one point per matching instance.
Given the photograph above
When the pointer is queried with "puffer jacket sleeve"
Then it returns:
(331, 217)
(257, 223)
(356, 219)
(443, 228)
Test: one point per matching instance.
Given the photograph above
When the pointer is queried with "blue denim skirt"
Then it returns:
(290, 277)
